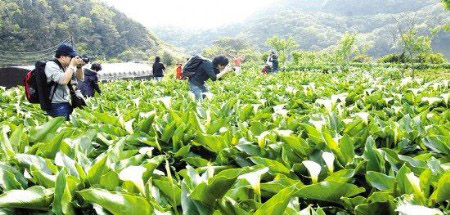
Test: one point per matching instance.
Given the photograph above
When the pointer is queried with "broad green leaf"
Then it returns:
(347, 148)
(439, 144)
(342, 176)
(134, 174)
(110, 180)
(425, 181)
(278, 203)
(380, 180)
(249, 148)
(36, 198)
(49, 149)
(313, 134)
(63, 160)
(151, 165)
(172, 191)
(147, 123)
(97, 170)
(415, 184)
(297, 144)
(48, 129)
(5, 143)
(274, 166)
(375, 208)
(375, 161)
(62, 202)
(117, 203)
(17, 141)
(277, 185)
(17, 175)
(329, 191)
(403, 185)
(216, 187)
(27, 161)
(192, 207)
(442, 192)
(214, 143)
(42, 178)
(351, 203)
(8, 181)
(196, 161)
(168, 132)
(231, 207)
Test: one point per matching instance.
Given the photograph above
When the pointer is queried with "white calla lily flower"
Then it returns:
(409, 209)
(364, 116)
(329, 157)
(313, 169)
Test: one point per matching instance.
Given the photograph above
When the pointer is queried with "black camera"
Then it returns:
(85, 59)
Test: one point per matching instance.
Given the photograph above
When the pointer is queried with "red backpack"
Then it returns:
(37, 91)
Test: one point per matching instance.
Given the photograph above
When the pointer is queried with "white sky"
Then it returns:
(188, 13)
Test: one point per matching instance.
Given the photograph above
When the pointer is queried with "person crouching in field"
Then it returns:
(89, 86)
(207, 69)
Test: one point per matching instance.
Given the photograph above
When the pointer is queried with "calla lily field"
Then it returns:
(300, 142)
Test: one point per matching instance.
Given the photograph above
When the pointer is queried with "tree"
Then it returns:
(283, 47)
(446, 4)
(415, 45)
(412, 44)
(227, 46)
(346, 48)
(133, 55)
(167, 59)
(98, 31)
(212, 51)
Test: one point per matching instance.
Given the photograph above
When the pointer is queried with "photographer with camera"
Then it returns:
(199, 70)
(61, 72)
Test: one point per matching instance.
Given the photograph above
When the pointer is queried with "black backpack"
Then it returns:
(192, 66)
(37, 91)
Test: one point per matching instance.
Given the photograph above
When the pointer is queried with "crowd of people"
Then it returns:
(69, 80)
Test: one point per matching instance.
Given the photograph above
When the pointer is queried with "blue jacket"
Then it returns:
(204, 72)
(90, 83)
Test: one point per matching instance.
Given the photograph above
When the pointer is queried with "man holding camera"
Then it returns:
(207, 69)
(65, 69)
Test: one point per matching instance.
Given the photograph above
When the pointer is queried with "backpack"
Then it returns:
(192, 66)
(37, 91)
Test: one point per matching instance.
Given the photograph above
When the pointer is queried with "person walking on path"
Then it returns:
(158, 69)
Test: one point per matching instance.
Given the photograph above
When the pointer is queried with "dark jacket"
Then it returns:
(275, 64)
(204, 72)
(90, 83)
(158, 69)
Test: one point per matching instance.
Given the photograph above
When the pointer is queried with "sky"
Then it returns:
(194, 14)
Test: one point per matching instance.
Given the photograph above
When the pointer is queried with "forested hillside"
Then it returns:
(317, 25)
(99, 31)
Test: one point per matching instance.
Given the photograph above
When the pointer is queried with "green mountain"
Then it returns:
(319, 24)
(30, 30)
